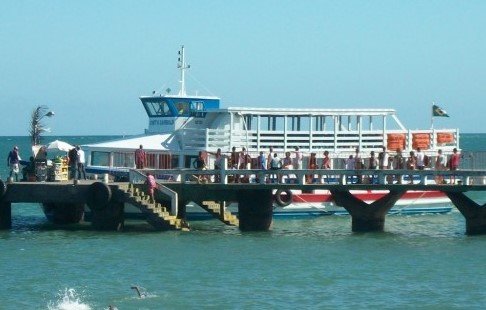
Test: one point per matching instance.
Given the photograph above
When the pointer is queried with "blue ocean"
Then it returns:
(418, 262)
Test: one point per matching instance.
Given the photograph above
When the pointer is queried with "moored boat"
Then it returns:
(180, 126)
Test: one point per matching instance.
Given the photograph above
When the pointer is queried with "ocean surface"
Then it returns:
(418, 262)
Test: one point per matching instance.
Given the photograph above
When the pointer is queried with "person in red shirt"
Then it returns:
(140, 157)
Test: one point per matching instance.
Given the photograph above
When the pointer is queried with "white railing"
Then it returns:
(325, 176)
(311, 141)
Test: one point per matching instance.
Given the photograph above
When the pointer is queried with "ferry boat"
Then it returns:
(181, 125)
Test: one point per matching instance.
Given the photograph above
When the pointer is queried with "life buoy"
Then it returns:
(420, 141)
(283, 197)
(445, 137)
(3, 188)
(99, 195)
(395, 141)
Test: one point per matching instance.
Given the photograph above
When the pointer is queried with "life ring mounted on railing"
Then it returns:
(283, 197)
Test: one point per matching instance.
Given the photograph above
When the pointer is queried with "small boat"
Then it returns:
(181, 125)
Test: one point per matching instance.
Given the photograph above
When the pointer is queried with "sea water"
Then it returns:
(419, 262)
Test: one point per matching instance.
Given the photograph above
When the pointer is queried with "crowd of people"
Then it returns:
(384, 160)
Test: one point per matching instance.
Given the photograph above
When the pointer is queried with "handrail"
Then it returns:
(466, 177)
(135, 176)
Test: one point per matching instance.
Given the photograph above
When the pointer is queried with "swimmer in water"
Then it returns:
(141, 295)
(110, 307)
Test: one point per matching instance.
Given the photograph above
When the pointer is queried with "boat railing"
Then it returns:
(332, 141)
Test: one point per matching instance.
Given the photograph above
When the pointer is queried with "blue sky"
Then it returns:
(89, 61)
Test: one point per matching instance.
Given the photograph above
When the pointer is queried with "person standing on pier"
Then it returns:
(81, 162)
(140, 157)
(358, 165)
(440, 165)
(383, 159)
(218, 164)
(269, 158)
(372, 165)
(311, 164)
(420, 156)
(383, 163)
(297, 160)
(453, 165)
(326, 164)
(398, 165)
(411, 164)
(262, 165)
(200, 164)
(13, 162)
(262, 161)
(275, 164)
(73, 160)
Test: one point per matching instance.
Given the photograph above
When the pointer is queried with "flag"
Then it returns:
(438, 111)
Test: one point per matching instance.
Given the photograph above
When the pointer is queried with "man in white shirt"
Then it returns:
(81, 162)
(420, 156)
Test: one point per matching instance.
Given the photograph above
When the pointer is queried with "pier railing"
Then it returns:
(319, 176)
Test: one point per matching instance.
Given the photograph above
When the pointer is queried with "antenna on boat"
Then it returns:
(181, 64)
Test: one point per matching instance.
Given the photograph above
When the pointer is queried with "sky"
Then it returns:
(89, 61)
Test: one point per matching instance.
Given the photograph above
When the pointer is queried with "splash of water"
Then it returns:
(68, 299)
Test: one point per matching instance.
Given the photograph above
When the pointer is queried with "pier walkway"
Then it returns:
(66, 201)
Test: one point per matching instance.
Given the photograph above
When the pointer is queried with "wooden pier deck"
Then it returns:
(67, 200)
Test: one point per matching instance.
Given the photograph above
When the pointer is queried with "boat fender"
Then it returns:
(99, 195)
(3, 188)
(283, 200)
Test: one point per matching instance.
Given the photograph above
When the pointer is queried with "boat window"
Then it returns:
(197, 108)
(123, 159)
(100, 159)
(182, 108)
(157, 108)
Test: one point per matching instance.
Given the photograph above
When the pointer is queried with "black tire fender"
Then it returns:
(282, 199)
(99, 195)
(3, 188)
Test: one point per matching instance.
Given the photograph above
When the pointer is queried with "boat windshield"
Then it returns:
(157, 108)
(169, 107)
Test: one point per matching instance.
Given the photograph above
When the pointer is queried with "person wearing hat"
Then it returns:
(13, 161)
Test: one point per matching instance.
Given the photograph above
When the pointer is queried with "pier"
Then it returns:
(106, 201)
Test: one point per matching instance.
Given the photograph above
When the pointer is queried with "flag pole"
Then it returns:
(432, 117)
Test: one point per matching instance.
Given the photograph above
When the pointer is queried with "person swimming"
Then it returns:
(140, 294)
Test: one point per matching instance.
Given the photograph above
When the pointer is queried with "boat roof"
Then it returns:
(187, 97)
(156, 142)
(295, 111)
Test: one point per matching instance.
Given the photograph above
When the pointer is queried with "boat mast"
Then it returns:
(181, 64)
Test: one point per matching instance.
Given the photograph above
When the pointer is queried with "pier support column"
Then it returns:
(5, 215)
(366, 217)
(255, 209)
(111, 217)
(474, 213)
